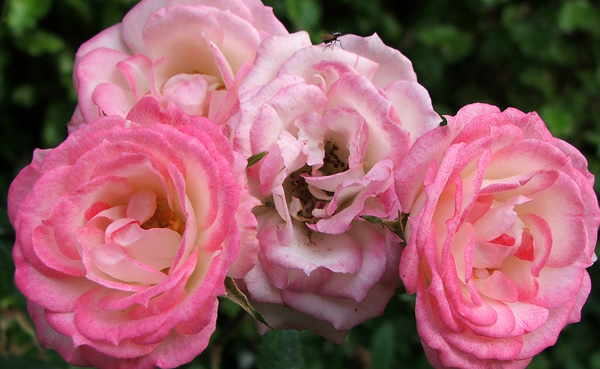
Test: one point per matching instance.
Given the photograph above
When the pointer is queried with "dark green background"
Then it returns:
(533, 55)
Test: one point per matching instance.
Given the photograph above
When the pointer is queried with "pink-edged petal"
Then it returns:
(498, 219)
(485, 348)
(372, 187)
(498, 287)
(238, 45)
(56, 294)
(392, 66)
(339, 253)
(311, 132)
(113, 326)
(529, 317)
(65, 323)
(136, 69)
(349, 178)
(194, 32)
(110, 38)
(271, 54)
(225, 69)
(569, 312)
(169, 353)
(523, 277)
(282, 159)
(262, 17)
(428, 149)
(134, 21)
(386, 135)
(67, 214)
(356, 286)
(561, 206)
(49, 337)
(155, 247)
(531, 124)
(142, 205)
(112, 99)
(525, 156)
(282, 109)
(542, 241)
(113, 261)
(249, 246)
(185, 48)
(91, 235)
(413, 105)
(248, 113)
(520, 184)
(555, 290)
(24, 182)
(467, 113)
(45, 247)
(342, 313)
(172, 288)
(490, 254)
(282, 317)
(444, 346)
(97, 67)
(188, 91)
(331, 65)
(259, 286)
(461, 306)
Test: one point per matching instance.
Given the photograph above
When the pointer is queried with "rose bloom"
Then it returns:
(334, 122)
(191, 52)
(501, 232)
(124, 236)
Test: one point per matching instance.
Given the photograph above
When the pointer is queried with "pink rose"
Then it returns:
(501, 232)
(191, 52)
(125, 235)
(335, 122)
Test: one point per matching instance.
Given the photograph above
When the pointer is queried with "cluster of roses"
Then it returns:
(209, 143)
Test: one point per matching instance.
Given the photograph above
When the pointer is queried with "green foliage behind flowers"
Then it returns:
(539, 56)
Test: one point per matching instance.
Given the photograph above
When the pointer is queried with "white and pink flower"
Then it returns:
(335, 122)
(190, 52)
(501, 231)
(125, 234)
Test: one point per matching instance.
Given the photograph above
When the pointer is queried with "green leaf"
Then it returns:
(304, 14)
(397, 225)
(372, 219)
(558, 118)
(41, 42)
(539, 79)
(23, 15)
(15, 362)
(452, 43)
(54, 128)
(235, 295)
(24, 96)
(280, 349)
(383, 345)
(256, 158)
(579, 15)
(493, 3)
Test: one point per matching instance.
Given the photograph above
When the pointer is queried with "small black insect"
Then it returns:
(331, 38)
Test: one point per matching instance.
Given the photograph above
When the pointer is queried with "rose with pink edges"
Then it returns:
(334, 122)
(191, 52)
(124, 236)
(501, 231)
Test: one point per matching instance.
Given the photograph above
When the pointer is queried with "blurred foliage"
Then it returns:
(533, 55)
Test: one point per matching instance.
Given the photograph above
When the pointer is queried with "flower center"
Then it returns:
(299, 190)
(332, 163)
(164, 217)
(308, 202)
